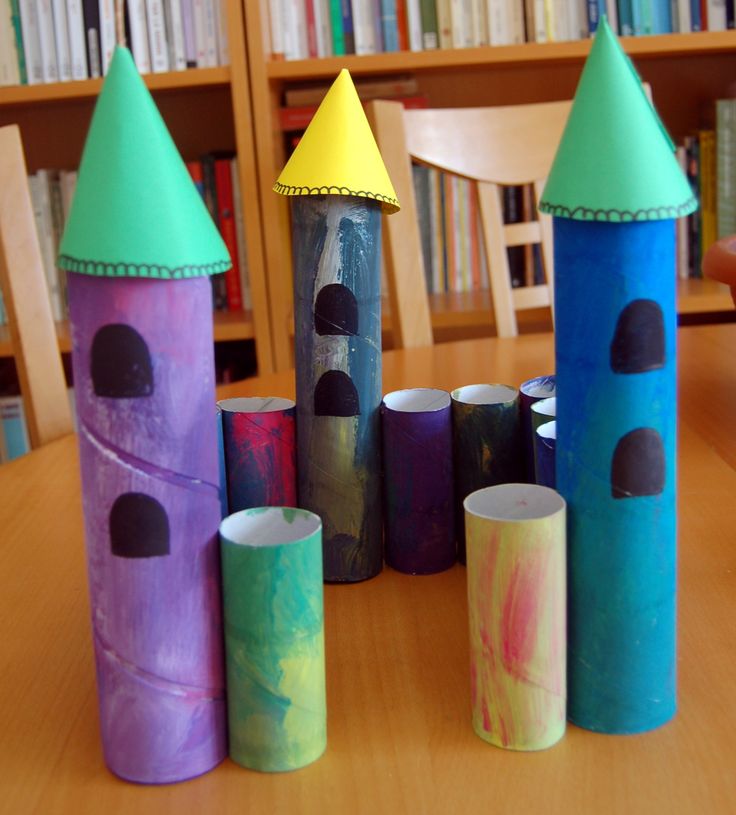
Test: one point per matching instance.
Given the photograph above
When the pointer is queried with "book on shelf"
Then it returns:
(61, 39)
(174, 28)
(726, 167)
(9, 63)
(107, 33)
(77, 50)
(46, 41)
(138, 26)
(91, 14)
(217, 180)
(13, 429)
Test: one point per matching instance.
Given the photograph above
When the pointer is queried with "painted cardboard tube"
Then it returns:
(274, 637)
(544, 454)
(418, 484)
(337, 314)
(531, 391)
(516, 604)
(260, 451)
(543, 410)
(487, 445)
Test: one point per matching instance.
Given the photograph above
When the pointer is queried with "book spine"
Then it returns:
(13, 427)
(226, 218)
(9, 66)
(47, 44)
(223, 41)
(363, 30)
(31, 42)
(695, 23)
(661, 17)
(730, 13)
(77, 50)
(240, 235)
(389, 25)
(323, 28)
(414, 17)
(41, 200)
(480, 23)
(210, 30)
(594, 14)
(107, 32)
(716, 15)
(402, 24)
(338, 36)
(175, 35)
(444, 23)
(726, 166)
(439, 249)
(625, 18)
(347, 26)
(157, 36)
(377, 28)
(199, 33)
(91, 12)
(139, 35)
(61, 39)
(709, 228)
(516, 15)
(463, 234)
(309, 14)
(190, 39)
(681, 226)
(430, 34)
(18, 34)
(209, 193)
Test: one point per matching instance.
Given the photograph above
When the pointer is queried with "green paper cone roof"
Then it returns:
(615, 161)
(136, 211)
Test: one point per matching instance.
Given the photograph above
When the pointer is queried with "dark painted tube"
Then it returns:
(145, 390)
(487, 445)
(615, 331)
(418, 483)
(544, 454)
(337, 315)
(542, 411)
(260, 452)
(541, 387)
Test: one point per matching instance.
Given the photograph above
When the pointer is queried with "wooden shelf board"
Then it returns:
(699, 296)
(229, 325)
(664, 45)
(89, 88)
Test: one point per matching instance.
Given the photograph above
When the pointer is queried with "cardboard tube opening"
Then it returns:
(255, 404)
(514, 502)
(485, 394)
(417, 400)
(269, 526)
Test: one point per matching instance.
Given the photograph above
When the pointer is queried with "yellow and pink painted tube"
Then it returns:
(516, 562)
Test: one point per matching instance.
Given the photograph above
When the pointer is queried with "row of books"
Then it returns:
(302, 29)
(62, 40)
(216, 176)
(709, 158)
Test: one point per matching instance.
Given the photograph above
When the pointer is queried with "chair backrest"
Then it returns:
(27, 304)
(493, 147)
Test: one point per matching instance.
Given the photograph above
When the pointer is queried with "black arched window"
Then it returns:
(120, 363)
(638, 464)
(638, 341)
(336, 311)
(335, 395)
(139, 526)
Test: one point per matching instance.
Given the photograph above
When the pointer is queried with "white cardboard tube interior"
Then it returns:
(269, 526)
(548, 430)
(485, 394)
(539, 387)
(255, 404)
(417, 400)
(546, 407)
(514, 502)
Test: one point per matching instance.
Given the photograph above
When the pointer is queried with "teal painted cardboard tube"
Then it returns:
(274, 637)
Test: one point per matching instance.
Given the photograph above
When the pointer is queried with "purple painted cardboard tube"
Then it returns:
(541, 387)
(144, 386)
(544, 454)
(418, 483)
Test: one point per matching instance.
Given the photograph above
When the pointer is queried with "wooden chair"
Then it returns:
(27, 304)
(492, 147)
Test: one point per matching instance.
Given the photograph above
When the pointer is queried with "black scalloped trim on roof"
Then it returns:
(333, 189)
(620, 216)
(148, 270)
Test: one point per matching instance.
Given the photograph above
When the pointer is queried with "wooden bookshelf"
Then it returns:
(687, 72)
(205, 109)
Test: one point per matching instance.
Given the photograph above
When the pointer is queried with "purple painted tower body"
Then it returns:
(144, 382)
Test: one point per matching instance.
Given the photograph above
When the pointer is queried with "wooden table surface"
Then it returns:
(400, 739)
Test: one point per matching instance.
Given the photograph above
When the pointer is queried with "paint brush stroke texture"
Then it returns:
(337, 243)
(516, 605)
(260, 455)
(148, 451)
(274, 634)
(616, 421)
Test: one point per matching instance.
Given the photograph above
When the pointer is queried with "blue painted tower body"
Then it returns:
(615, 189)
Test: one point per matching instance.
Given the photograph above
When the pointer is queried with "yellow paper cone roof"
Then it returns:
(337, 155)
